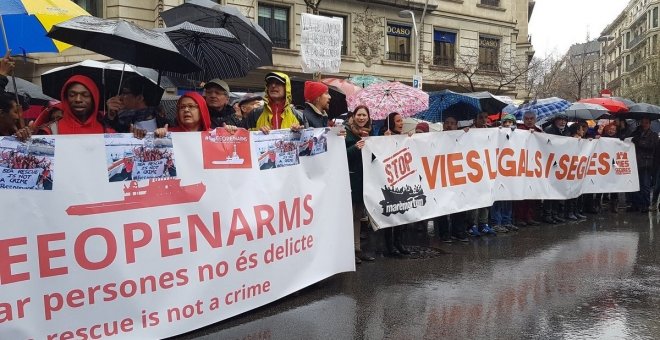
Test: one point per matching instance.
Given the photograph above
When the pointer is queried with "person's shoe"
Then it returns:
(580, 216)
(393, 253)
(571, 217)
(402, 249)
(357, 260)
(474, 231)
(521, 223)
(461, 236)
(559, 219)
(549, 220)
(511, 227)
(533, 222)
(446, 238)
(497, 228)
(364, 257)
(487, 230)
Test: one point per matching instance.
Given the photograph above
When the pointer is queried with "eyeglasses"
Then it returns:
(188, 106)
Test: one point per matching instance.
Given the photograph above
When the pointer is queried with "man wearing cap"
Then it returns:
(277, 112)
(243, 106)
(216, 93)
(558, 126)
(317, 102)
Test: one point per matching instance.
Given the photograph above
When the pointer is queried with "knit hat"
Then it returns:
(509, 117)
(314, 89)
(423, 126)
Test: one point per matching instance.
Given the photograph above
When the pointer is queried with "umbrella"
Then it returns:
(543, 107)
(625, 101)
(209, 14)
(365, 81)
(26, 22)
(125, 41)
(32, 92)
(410, 123)
(612, 105)
(344, 85)
(384, 98)
(219, 53)
(641, 110)
(488, 102)
(450, 103)
(581, 111)
(105, 75)
(337, 97)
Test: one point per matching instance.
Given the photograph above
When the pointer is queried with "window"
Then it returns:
(275, 21)
(444, 48)
(344, 19)
(495, 3)
(397, 44)
(489, 54)
(654, 21)
(93, 7)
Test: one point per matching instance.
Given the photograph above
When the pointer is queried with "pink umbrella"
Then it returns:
(383, 98)
(344, 85)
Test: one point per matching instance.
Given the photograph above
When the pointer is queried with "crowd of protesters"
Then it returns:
(130, 111)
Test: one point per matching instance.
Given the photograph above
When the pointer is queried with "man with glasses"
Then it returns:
(130, 110)
(216, 94)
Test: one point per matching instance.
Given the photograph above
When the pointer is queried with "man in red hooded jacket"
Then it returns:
(80, 108)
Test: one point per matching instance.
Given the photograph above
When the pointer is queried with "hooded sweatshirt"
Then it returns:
(278, 115)
(204, 117)
(69, 124)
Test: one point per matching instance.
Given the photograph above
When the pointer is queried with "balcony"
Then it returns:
(398, 56)
(636, 41)
(494, 3)
(614, 84)
(611, 66)
(443, 61)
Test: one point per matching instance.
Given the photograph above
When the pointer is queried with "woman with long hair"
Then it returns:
(358, 127)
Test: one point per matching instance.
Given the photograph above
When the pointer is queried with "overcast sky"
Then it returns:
(557, 24)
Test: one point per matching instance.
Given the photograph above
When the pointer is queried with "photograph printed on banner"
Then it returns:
(27, 165)
(132, 159)
(277, 149)
(313, 142)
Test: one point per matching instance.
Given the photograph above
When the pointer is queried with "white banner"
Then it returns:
(433, 174)
(320, 43)
(160, 257)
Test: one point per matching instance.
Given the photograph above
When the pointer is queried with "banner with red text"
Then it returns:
(157, 257)
(415, 178)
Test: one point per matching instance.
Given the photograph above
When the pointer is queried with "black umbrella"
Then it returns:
(641, 110)
(489, 103)
(209, 14)
(219, 53)
(105, 75)
(338, 104)
(125, 41)
(31, 92)
(626, 101)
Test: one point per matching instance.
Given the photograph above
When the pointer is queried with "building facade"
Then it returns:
(631, 58)
(463, 45)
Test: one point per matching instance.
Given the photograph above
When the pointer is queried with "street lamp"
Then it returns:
(406, 13)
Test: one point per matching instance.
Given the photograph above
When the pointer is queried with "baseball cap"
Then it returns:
(248, 97)
(275, 76)
(217, 82)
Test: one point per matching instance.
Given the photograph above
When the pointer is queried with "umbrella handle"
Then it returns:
(121, 79)
(4, 36)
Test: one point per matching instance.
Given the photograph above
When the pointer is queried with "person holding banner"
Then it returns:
(278, 111)
(192, 114)
(9, 118)
(357, 128)
(577, 130)
(394, 236)
(80, 108)
(502, 211)
(129, 111)
(554, 209)
(645, 141)
(317, 102)
(524, 211)
(479, 216)
(216, 94)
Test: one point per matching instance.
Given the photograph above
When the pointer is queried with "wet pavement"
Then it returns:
(596, 279)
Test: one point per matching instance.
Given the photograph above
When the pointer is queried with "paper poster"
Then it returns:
(224, 150)
(313, 142)
(129, 158)
(277, 149)
(27, 165)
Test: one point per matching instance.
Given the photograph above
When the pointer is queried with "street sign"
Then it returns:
(417, 81)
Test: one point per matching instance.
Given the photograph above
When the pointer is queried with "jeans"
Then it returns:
(500, 213)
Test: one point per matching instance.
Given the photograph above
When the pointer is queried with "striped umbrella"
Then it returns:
(449, 103)
(581, 111)
(219, 53)
(383, 98)
(543, 107)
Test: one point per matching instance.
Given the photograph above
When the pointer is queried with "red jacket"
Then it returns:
(204, 115)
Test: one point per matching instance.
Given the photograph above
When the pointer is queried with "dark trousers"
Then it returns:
(452, 224)
(641, 199)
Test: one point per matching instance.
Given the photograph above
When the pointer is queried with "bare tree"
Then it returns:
(313, 6)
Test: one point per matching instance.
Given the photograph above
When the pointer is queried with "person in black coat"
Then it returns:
(645, 141)
(358, 127)
(317, 103)
(553, 210)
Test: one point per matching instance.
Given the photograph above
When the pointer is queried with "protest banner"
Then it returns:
(427, 175)
(27, 165)
(321, 40)
(155, 258)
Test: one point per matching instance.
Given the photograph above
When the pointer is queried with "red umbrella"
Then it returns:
(612, 105)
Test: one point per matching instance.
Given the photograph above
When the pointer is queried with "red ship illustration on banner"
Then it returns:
(157, 193)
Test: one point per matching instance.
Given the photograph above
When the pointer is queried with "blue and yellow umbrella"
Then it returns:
(24, 24)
